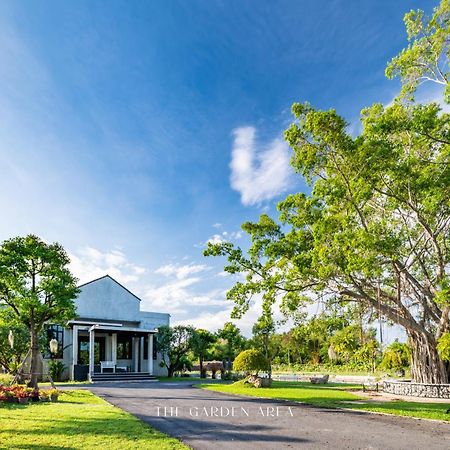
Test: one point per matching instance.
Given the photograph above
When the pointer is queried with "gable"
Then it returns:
(105, 298)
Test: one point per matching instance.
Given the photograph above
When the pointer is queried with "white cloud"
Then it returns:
(212, 321)
(217, 225)
(216, 239)
(177, 297)
(258, 175)
(181, 272)
(88, 263)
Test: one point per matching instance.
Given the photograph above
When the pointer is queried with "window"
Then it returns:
(155, 350)
(54, 332)
(83, 350)
(124, 347)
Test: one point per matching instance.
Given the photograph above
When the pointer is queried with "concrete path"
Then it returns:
(210, 420)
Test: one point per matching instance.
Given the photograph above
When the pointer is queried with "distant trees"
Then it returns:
(200, 344)
(230, 341)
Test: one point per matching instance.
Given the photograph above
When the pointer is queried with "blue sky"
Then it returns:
(134, 132)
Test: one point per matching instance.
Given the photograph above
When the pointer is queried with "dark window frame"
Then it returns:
(124, 347)
(100, 341)
(54, 332)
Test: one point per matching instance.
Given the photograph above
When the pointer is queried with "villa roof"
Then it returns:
(115, 281)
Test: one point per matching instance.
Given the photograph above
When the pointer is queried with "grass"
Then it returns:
(79, 420)
(334, 395)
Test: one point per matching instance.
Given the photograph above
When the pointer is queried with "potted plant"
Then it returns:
(22, 396)
(53, 394)
(33, 394)
(44, 396)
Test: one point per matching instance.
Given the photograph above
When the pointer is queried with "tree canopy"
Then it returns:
(375, 228)
(36, 286)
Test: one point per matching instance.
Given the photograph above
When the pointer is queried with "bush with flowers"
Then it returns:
(18, 393)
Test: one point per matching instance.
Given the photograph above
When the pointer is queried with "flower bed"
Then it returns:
(22, 394)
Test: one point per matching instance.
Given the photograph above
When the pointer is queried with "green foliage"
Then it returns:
(56, 369)
(35, 282)
(426, 57)
(396, 356)
(443, 346)
(230, 342)
(10, 358)
(251, 361)
(174, 344)
(36, 287)
(372, 231)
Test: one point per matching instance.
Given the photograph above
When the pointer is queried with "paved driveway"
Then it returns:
(210, 420)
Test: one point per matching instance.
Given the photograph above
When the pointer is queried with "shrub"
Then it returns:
(56, 369)
(251, 362)
(232, 376)
(396, 356)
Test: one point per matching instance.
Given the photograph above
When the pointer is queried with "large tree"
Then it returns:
(375, 228)
(232, 339)
(174, 344)
(200, 344)
(36, 286)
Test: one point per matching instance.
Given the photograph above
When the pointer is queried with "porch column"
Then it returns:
(74, 351)
(141, 354)
(136, 353)
(150, 353)
(114, 350)
(91, 351)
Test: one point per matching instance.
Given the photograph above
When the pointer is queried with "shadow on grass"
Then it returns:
(205, 430)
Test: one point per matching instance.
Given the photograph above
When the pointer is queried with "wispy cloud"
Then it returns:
(88, 263)
(258, 174)
(181, 272)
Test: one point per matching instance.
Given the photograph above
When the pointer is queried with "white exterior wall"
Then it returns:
(105, 299)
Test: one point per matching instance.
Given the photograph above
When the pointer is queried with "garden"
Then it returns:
(78, 420)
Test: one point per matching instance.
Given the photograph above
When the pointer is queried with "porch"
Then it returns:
(111, 351)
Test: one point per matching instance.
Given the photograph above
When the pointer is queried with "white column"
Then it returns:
(141, 353)
(136, 353)
(91, 351)
(150, 353)
(74, 350)
(114, 350)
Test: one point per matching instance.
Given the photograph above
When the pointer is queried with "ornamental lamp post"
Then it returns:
(53, 346)
(11, 339)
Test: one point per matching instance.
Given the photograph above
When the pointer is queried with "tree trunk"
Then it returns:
(202, 373)
(426, 365)
(34, 363)
(170, 371)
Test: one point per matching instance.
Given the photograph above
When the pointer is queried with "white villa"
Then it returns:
(111, 338)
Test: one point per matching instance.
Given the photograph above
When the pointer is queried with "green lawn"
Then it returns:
(79, 420)
(334, 395)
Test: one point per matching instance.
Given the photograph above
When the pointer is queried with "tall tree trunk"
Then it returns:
(426, 364)
(170, 371)
(34, 363)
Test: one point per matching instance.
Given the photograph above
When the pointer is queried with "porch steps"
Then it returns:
(122, 376)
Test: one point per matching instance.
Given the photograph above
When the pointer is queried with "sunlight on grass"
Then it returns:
(79, 420)
(334, 395)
